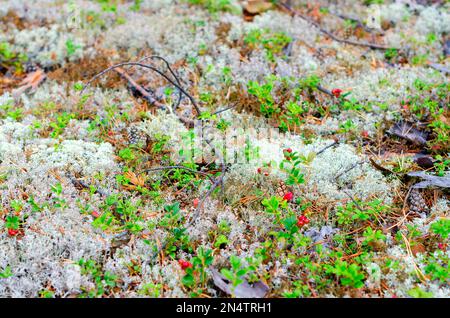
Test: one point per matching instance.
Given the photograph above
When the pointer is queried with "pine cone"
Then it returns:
(183, 198)
(282, 189)
(417, 203)
(137, 137)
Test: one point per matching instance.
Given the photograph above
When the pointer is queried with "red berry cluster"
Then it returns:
(287, 153)
(288, 196)
(260, 171)
(336, 92)
(302, 220)
(184, 264)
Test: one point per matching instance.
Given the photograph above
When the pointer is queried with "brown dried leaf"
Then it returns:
(257, 6)
(34, 79)
(417, 248)
(31, 81)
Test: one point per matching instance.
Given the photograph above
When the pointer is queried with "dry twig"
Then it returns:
(329, 33)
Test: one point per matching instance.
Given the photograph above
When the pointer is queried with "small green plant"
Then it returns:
(238, 271)
(60, 124)
(136, 5)
(349, 274)
(419, 293)
(441, 227)
(71, 47)
(292, 166)
(8, 58)
(46, 294)
(272, 43)
(309, 83)
(58, 201)
(173, 223)
(371, 237)
(16, 114)
(442, 165)
(195, 276)
(6, 273)
(103, 281)
(17, 205)
(12, 222)
(291, 119)
(151, 289)
(360, 211)
(215, 6)
(127, 154)
(264, 94)
(390, 54)
(437, 266)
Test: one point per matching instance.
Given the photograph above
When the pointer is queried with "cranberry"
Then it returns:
(13, 232)
(289, 150)
(95, 214)
(195, 202)
(259, 170)
(336, 92)
(288, 196)
(302, 220)
(184, 264)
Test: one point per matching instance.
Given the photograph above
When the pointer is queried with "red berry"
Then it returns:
(195, 202)
(184, 264)
(302, 220)
(95, 214)
(441, 246)
(13, 232)
(288, 196)
(266, 174)
(365, 133)
(289, 150)
(259, 170)
(336, 92)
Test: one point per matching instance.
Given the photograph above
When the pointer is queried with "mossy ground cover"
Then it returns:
(260, 149)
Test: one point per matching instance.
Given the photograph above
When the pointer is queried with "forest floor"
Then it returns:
(295, 149)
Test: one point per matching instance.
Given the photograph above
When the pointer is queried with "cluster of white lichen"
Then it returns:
(31, 162)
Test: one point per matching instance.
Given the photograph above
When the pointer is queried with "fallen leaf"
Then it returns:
(430, 180)
(257, 6)
(31, 81)
(418, 248)
(407, 131)
(134, 179)
(424, 161)
(243, 290)
(447, 47)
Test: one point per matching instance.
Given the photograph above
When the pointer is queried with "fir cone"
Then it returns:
(137, 137)
(282, 189)
(416, 201)
(183, 198)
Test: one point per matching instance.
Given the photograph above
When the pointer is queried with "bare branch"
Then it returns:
(194, 103)
(330, 34)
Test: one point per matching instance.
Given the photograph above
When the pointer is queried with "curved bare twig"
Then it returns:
(194, 103)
